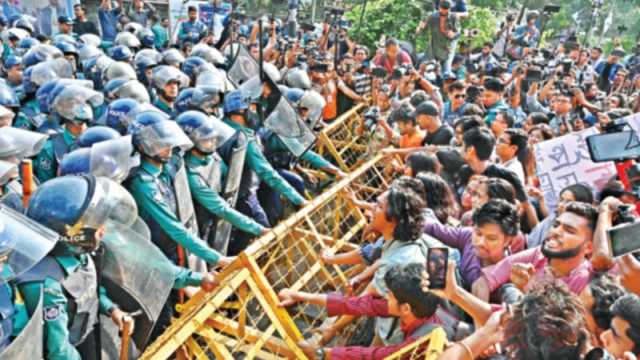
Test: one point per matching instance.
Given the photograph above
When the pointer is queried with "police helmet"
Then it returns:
(96, 134)
(77, 206)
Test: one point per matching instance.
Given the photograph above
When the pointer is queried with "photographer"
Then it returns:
(445, 32)
(525, 37)
(504, 36)
(392, 57)
(607, 70)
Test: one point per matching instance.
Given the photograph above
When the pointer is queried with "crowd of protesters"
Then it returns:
(158, 114)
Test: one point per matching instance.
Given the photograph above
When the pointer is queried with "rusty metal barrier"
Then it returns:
(341, 142)
(241, 318)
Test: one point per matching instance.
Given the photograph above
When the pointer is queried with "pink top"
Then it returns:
(500, 273)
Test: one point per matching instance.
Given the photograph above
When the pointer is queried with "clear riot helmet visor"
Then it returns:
(162, 135)
(113, 159)
(20, 143)
(8, 171)
(23, 243)
(204, 139)
(110, 202)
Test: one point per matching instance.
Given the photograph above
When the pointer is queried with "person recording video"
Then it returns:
(445, 32)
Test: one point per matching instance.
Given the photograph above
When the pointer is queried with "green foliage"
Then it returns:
(400, 18)
(395, 18)
(482, 19)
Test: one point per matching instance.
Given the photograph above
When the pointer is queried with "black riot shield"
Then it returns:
(243, 68)
(30, 342)
(230, 194)
(136, 274)
(290, 128)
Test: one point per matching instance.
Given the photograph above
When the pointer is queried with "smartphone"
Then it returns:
(437, 267)
(617, 146)
(623, 239)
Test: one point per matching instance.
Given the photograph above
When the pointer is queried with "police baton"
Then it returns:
(127, 325)
(26, 174)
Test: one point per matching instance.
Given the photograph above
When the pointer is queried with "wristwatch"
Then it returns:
(320, 354)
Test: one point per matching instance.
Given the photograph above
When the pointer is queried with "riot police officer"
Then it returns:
(16, 145)
(205, 170)
(167, 81)
(74, 106)
(23, 243)
(256, 167)
(152, 186)
(77, 208)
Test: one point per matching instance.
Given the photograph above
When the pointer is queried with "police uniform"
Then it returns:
(71, 301)
(153, 191)
(13, 314)
(191, 31)
(283, 161)
(26, 115)
(205, 181)
(256, 168)
(171, 111)
(47, 161)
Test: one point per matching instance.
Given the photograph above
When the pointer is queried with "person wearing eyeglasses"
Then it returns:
(454, 108)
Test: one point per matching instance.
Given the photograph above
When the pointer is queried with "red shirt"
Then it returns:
(401, 58)
(370, 306)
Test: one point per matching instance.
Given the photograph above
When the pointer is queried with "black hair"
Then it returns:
(498, 212)
(545, 129)
(469, 122)
(584, 210)
(582, 192)
(499, 188)
(518, 138)
(472, 109)
(418, 97)
(404, 282)
(604, 291)
(539, 118)
(628, 309)
(420, 161)
(438, 196)
(482, 140)
(405, 203)
(390, 42)
(547, 324)
(456, 85)
(403, 113)
(508, 118)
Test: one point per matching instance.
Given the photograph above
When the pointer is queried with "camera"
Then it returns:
(371, 118)
(379, 72)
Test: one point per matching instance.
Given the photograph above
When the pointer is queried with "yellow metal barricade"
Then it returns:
(242, 316)
(341, 141)
(429, 347)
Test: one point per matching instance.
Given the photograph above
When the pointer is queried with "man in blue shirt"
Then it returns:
(9, 8)
(108, 17)
(193, 29)
(454, 108)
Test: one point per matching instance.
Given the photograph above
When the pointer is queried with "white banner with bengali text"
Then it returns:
(565, 161)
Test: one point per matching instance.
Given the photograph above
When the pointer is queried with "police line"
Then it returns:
(242, 316)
